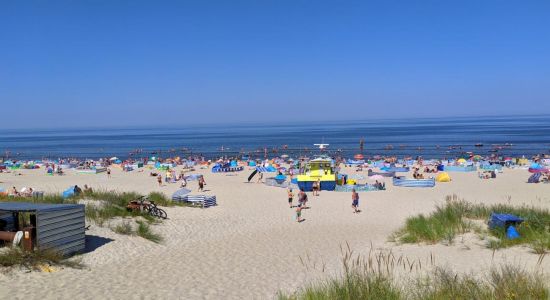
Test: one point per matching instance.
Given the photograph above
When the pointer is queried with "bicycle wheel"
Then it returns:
(161, 213)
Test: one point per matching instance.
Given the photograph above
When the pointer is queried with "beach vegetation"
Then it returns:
(124, 228)
(144, 231)
(375, 277)
(12, 257)
(457, 216)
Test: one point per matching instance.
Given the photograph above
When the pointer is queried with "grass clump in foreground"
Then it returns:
(374, 278)
(456, 217)
(144, 231)
(34, 260)
(124, 228)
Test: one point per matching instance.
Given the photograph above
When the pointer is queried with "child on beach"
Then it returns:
(159, 180)
(355, 201)
(108, 173)
(201, 184)
(290, 197)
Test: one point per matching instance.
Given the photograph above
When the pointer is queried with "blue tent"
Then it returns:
(68, 192)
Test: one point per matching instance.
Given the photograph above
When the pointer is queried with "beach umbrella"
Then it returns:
(461, 161)
(358, 156)
(284, 156)
(114, 158)
(376, 177)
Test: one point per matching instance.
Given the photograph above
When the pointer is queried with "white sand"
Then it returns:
(249, 246)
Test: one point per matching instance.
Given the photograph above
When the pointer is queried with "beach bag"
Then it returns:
(512, 233)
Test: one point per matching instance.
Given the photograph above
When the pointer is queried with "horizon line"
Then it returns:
(252, 123)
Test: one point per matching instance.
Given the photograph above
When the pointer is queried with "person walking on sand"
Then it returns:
(183, 180)
(159, 180)
(260, 177)
(299, 213)
(302, 199)
(201, 184)
(355, 201)
(290, 197)
(108, 173)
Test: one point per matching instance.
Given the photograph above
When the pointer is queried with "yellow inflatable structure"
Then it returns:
(443, 177)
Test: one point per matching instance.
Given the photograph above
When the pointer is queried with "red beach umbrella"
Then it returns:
(358, 156)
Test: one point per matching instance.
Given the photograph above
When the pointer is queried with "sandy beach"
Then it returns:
(250, 247)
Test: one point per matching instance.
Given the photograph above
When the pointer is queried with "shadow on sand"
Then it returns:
(93, 242)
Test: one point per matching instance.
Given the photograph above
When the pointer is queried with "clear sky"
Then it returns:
(102, 63)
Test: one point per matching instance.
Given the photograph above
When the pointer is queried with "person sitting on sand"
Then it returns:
(355, 201)
(87, 189)
(26, 192)
(13, 192)
(77, 190)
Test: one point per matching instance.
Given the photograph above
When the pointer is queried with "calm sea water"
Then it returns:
(431, 138)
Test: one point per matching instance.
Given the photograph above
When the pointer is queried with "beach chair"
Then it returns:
(201, 200)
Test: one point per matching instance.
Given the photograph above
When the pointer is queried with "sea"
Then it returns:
(428, 137)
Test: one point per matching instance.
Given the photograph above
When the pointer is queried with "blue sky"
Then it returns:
(103, 63)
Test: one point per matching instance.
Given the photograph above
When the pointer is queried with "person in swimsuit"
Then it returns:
(302, 199)
(290, 197)
(299, 214)
(159, 180)
(201, 184)
(108, 173)
(355, 201)
(314, 188)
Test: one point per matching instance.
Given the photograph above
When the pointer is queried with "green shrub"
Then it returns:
(144, 231)
(455, 218)
(32, 260)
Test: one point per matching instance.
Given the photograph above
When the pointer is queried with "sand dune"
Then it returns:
(249, 246)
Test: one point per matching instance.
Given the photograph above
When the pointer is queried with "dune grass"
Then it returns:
(124, 228)
(33, 260)
(456, 217)
(375, 277)
(144, 231)
(102, 205)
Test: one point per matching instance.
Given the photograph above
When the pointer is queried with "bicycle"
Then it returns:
(144, 205)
